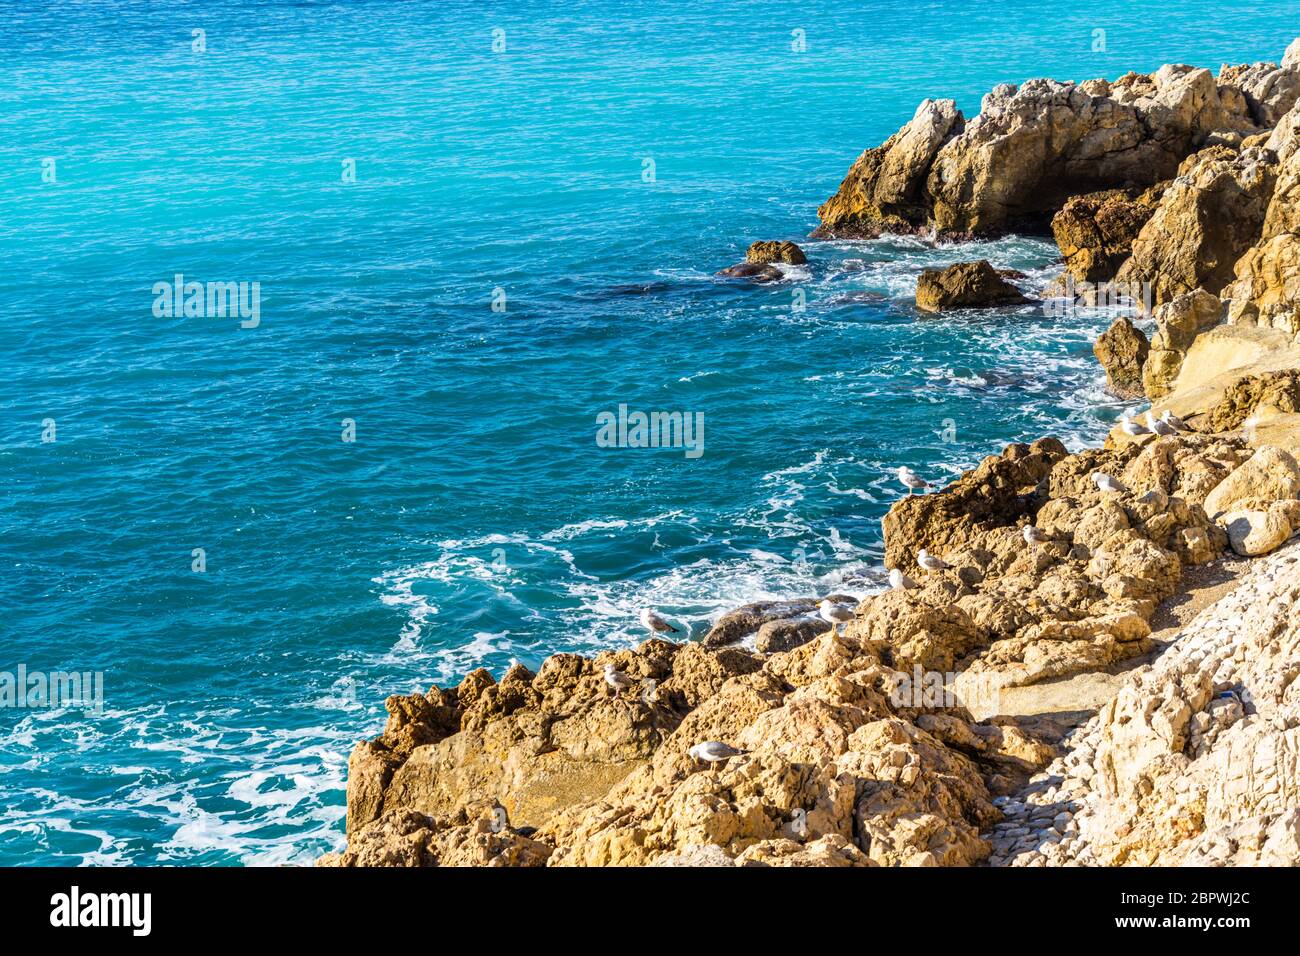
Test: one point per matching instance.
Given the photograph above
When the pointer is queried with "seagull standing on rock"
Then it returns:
(1106, 483)
(1033, 535)
(655, 623)
(912, 480)
(929, 562)
(616, 679)
(834, 614)
(1159, 425)
(1174, 422)
(1132, 428)
(900, 581)
(714, 751)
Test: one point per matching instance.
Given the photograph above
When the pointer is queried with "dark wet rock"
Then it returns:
(965, 285)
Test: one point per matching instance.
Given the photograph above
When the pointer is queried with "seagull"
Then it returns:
(900, 581)
(1130, 427)
(929, 562)
(1106, 483)
(714, 751)
(911, 479)
(616, 679)
(656, 623)
(1033, 535)
(1159, 425)
(1174, 422)
(834, 614)
(650, 693)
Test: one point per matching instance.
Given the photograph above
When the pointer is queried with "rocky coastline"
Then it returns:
(1101, 669)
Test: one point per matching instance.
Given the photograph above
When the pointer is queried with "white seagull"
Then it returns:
(616, 679)
(912, 480)
(1159, 425)
(1130, 427)
(834, 614)
(714, 751)
(929, 562)
(1106, 483)
(1174, 422)
(655, 623)
(900, 581)
(1033, 535)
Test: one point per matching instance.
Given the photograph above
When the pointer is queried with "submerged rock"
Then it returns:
(965, 285)
(754, 271)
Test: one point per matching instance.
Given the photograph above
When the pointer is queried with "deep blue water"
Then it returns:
(474, 519)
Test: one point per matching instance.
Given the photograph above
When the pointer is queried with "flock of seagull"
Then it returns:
(713, 752)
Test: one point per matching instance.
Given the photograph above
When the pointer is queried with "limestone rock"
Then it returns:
(1122, 351)
(1178, 322)
(965, 285)
(1095, 233)
(1254, 533)
(1269, 475)
(775, 251)
(1209, 216)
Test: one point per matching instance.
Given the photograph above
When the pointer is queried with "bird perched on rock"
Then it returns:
(656, 623)
(900, 581)
(1130, 427)
(1159, 425)
(1033, 535)
(1174, 422)
(929, 562)
(714, 751)
(1106, 483)
(834, 614)
(912, 480)
(616, 679)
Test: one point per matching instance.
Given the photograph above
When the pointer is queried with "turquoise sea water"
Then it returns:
(474, 519)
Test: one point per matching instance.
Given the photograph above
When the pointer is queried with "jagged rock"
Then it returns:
(1122, 351)
(407, 838)
(775, 251)
(1209, 216)
(1266, 290)
(1031, 148)
(1269, 90)
(1095, 233)
(1270, 474)
(1245, 397)
(997, 493)
(884, 190)
(1178, 322)
(965, 285)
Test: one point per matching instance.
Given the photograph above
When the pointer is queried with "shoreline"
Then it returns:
(836, 764)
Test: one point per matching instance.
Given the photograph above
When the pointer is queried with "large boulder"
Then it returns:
(775, 251)
(1270, 474)
(1178, 322)
(1122, 351)
(965, 285)
(1208, 217)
